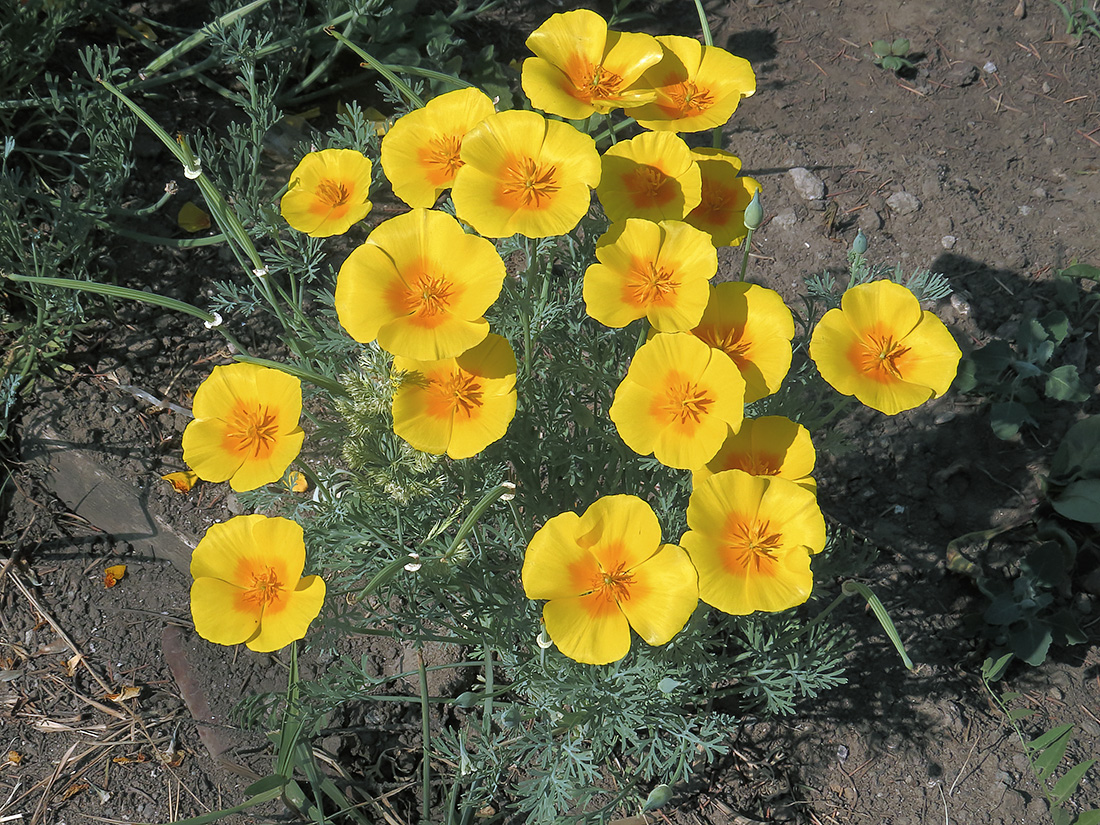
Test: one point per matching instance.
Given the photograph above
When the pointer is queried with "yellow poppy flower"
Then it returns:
(582, 69)
(750, 538)
(678, 400)
(725, 194)
(248, 584)
(420, 285)
(753, 326)
(245, 429)
(698, 87)
(328, 192)
(421, 151)
(881, 348)
(651, 176)
(605, 572)
(660, 271)
(525, 174)
(458, 406)
(768, 446)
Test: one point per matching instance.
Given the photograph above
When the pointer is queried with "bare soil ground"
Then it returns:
(995, 138)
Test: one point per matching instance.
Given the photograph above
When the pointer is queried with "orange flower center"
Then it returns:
(441, 156)
(596, 83)
(879, 355)
(252, 430)
(731, 341)
(265, 588)
(430, 296)
(613, 586)
(458, 394)
(525, 183)
(649, 186)
(333, 193)
(688, 100)
(755, 464)
(751, 545)
(653, 286)
(685, 401)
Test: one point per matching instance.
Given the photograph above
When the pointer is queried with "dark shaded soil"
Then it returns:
(996, 135)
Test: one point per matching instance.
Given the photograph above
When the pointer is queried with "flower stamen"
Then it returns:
(265, 588)
(686, 401)
(252, 430)
(881, 354)
(613, 586)
(529, 183)
(333, 193)
(653, 285)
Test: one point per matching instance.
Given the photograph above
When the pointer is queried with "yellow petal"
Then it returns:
(328, 192)
(422, 151)
(771, 445)
(698, 87)
(219, 614)
(113, 575)
(301, 607)
(678, 400)
(652, 176)
(181, 482)
(750, 538)
(524, 174)
(620, 531)
(420, 285)
(663, 595)
(589, 629)
(555, 565)
(192, 219)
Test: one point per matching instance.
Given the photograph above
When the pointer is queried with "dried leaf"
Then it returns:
(56, 646)
(182, 481)
(126, 760)
(113, 574)
(73, 790)
(13, 757)
(124, 695)
(72, 663)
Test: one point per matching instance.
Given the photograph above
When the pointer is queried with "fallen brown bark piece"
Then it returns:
(211, 732)
(75, 475)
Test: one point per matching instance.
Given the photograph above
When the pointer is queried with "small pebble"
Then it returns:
(990, 67)
(785, 219)
(842, 752)
(1024, 209)
(807, 184)
(948, 241)
(904, 203)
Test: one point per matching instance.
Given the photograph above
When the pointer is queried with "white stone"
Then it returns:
(903, 203)
(948, 241)
(807, 184)
(785, 219)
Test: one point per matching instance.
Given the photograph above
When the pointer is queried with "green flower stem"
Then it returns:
(745, 256)
(488, 500)
(708, 38)
(113, 291)
(383, 70)
(225, 217)
(201, 36)
(426, 778)
(332, 387)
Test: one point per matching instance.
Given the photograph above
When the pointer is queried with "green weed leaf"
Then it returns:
(1031, 642)
(1020, 713)
(1088, 817)
(1057, 324)
(1067, 785)
(1053, 746)
(1092, 273)
(1063, 384)
(1080, 501)
(1079, 453)
(1006, 418)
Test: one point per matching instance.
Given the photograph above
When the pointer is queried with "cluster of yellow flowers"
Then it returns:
(420, 285)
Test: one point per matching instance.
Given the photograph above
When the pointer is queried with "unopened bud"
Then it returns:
(657, 797)
(859, 245)
(754, 213)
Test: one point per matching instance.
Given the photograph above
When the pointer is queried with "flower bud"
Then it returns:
(859, 245)
(754, 213)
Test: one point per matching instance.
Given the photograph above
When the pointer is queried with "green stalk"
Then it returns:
(201, 36)
(120, 292)
(882, 616)
(708, 38)
(394, 80)
(426, 780)
(745, 256)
